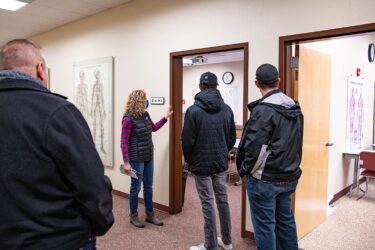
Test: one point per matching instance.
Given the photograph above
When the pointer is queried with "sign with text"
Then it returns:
(157, 100)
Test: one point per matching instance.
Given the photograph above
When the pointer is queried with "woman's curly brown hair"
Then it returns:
(136, 104)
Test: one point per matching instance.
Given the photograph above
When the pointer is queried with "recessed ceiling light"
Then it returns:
(12, 5)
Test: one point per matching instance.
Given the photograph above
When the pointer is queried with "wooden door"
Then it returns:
(314, 84)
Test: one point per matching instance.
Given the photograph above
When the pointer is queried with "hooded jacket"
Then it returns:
(271, 145)
(208, 134)
(53, 191)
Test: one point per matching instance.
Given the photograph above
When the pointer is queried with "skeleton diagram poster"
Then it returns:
(355, 114)
(93, 96)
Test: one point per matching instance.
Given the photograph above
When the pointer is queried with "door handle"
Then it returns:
(329, 144)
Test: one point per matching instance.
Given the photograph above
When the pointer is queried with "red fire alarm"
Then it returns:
(358, 72)
(183, 101)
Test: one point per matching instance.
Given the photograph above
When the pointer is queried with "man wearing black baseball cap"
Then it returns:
(208, 134)
(269, 154)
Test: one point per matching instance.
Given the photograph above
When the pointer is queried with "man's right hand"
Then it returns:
(127, 167)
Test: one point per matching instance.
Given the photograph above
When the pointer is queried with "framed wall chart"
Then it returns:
(93, 96)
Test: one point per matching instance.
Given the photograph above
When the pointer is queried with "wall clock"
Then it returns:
(228, 77)
(371, 52)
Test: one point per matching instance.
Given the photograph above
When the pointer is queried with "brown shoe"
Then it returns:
(150, 218)
(134, 219)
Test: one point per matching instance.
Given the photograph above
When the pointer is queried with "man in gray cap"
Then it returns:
(269, 154)
(208, 134)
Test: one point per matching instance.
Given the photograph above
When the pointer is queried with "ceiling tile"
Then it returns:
(43, 15)
(31, 9)
(62, 15)
(107, 3)
(46, 3)
(78, 7)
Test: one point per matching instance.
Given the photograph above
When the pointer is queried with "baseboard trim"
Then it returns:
(140, 200)
(249, 235)
(344, 191)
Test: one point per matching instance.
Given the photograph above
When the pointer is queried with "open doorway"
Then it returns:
(185, 66)
(327, 72)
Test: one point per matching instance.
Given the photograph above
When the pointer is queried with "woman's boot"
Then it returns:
(134, 219)
(150, 218)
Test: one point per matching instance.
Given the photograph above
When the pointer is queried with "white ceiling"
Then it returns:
(43, 15)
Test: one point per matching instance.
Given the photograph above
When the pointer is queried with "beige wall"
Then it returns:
(140, 35)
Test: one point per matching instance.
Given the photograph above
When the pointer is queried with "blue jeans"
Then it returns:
(146, 175)
(271, 213)
(207, 188)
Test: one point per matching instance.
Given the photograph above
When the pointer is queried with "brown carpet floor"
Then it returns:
(179, 232)
(352, 226)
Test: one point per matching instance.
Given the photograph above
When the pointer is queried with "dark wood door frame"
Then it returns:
(285, 41)
(175, 155)
(285, 51)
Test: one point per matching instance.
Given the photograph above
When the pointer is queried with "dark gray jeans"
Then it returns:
(207, 186)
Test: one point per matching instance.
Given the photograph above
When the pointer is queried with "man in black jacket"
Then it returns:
(208, 134)
(269, 154)
(53, 191)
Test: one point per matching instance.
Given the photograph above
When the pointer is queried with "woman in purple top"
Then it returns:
(137, 152)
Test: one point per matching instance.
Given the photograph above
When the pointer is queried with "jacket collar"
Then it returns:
(14, 80)
(16, 75)
(270, 93)
(252, 105)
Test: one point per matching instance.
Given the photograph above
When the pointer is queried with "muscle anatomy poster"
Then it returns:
(355, 114)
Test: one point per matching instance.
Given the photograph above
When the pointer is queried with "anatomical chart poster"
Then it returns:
(93, 96)
(355, 114)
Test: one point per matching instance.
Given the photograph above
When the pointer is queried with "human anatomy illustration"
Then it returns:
(82, 96)
(98, 111)
(355, 115)
(93, 96)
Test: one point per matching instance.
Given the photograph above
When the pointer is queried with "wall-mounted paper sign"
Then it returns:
(157, 100)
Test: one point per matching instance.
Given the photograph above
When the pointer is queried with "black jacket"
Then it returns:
(208, 134)
(53, 191)
(271, 144)
(141, 148)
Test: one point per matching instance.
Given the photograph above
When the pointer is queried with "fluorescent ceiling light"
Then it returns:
(11, 4)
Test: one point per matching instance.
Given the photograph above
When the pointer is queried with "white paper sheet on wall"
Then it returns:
(230, 97)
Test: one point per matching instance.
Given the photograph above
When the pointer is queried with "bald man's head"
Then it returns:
(23, 56)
